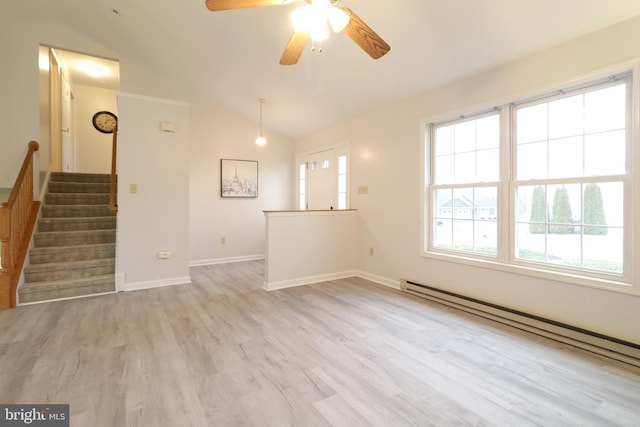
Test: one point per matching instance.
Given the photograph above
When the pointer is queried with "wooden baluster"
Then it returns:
(17, 219)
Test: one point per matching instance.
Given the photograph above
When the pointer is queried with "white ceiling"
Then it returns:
(231, 57)
(90, 70)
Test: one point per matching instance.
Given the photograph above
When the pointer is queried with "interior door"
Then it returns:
(322, 180)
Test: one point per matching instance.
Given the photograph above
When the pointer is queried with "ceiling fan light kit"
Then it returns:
(312, 20)
(315, 17)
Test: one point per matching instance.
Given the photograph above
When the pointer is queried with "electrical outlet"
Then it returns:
(223, 240)
(164, 254)
(371, 251)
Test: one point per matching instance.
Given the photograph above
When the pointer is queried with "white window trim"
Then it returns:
(504, 261)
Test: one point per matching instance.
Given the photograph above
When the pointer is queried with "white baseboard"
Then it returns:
(385, 281)
(157, 283)
(390, 283)
(213, 261)
(63, 299)
(272, 286)
(120, 282)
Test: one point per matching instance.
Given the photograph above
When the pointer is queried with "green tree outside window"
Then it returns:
(561, 216)
(594, 218)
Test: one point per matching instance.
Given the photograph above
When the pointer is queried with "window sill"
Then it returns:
(618, 286)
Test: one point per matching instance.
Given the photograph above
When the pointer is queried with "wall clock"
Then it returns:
(105, 121)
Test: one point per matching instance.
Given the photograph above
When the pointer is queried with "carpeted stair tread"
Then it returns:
(69, 288)
(79, 177)
(77, 199)
(58, 266)
(67, 238)
(48, 254)
(79, 187)
(53, 271)
(77, 223)
(61, 211)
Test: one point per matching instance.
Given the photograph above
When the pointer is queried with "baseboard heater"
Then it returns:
(611, 347)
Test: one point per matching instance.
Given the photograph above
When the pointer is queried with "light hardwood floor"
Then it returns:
(223, 352)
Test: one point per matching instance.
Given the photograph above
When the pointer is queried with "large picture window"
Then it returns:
(542, 184)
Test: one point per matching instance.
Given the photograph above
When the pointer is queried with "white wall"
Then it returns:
(44, 155)
(20, 37)
(385, 148)
(156, 217)
(217, 134)
(146, 222)
(92, 148)
(309, 246)
(19, 102)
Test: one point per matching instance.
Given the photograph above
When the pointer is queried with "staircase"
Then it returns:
(74, 247)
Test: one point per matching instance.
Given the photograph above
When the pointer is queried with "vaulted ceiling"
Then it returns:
(231, 57)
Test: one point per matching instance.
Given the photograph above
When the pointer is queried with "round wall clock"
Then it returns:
(105, 121)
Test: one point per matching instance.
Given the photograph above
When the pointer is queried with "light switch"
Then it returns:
(133, 188)
(363, 189)
(167, 127)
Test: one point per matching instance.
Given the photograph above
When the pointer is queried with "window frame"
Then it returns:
(505, 259)
(432, 188)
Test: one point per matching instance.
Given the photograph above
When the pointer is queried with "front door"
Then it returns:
(322, 180)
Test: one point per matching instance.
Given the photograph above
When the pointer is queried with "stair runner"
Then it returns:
(74, 247)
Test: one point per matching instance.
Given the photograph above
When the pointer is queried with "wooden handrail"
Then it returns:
(113, 202)
(17, 220)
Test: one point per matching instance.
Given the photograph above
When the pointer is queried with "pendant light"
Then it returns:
(261, 140)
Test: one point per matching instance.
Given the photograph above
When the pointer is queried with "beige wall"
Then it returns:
(217, 134)
(92, 148)
(386, 150)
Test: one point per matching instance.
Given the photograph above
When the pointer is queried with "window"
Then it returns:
(302, 186)
(464, 194)
(342, 181)
(570, 179)
(560, 202)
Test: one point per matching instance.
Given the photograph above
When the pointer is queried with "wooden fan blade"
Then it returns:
(216, 5)
(364, 36)
(294, 48)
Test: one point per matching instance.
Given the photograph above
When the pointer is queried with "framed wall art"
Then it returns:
(238, 178)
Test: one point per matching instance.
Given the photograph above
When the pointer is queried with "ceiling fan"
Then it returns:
(311, 21)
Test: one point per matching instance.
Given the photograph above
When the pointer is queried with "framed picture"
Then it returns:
(238, 178)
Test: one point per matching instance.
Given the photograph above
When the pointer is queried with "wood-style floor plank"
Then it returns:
(223, 352)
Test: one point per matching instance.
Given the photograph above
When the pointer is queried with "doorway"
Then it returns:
(323, 179)
(79, 86)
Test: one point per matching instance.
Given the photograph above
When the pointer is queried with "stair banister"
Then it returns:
(17, 218)
(113, 203)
